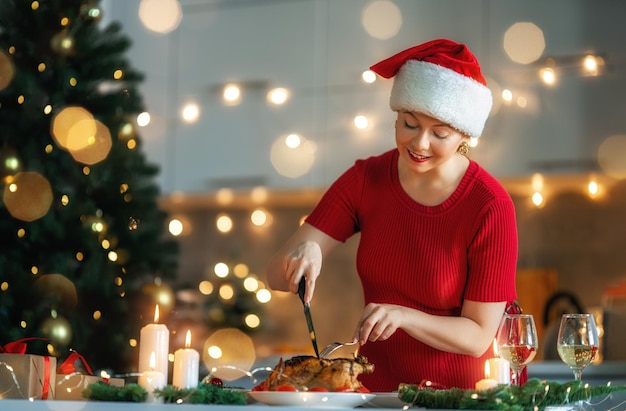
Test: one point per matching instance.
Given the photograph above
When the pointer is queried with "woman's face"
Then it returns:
(425, 143)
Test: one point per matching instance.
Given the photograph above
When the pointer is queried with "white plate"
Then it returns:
(312, 399)
(385, 400)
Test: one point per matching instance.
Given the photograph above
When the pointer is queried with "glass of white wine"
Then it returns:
(517, 341)
(577, 342)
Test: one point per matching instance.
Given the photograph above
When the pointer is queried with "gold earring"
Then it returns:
(463, 149)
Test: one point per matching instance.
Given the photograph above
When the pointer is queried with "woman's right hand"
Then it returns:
(304, 260)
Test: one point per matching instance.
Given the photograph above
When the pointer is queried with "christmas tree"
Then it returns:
(79, 221)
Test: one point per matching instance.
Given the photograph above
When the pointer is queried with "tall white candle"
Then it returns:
(151, 380)
(498, 369)
(154, 339)
(186, 364)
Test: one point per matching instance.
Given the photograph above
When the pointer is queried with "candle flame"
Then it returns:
(495, 348)
(188, 339)
(487, 370)
(156, 313)
(152, 361)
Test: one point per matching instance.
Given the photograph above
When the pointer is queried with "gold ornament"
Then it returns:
(58, 330)
(7, 70)
(63, 43)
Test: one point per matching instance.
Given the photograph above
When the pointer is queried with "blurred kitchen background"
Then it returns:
(239, 174)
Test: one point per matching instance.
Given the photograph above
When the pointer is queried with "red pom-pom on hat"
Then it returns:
(440, 78)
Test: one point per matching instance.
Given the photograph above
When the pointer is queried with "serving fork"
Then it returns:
(332, 347)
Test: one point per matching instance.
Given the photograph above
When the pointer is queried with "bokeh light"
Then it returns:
(96, 147)
(175, 227)
(292, 162)
(161, 16)
(231, 95)
(611, 155)
(524, 42)
(56, 290)
(224, 223)
(191, 112)
(7, 70)
(381, 19)
(28, 196)
(143, 119)
(228, 354)
(221, 270)
(205, 287)
(277, 96)
(72, 126)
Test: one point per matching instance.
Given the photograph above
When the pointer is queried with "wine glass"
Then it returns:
(517, 341)
(577, 342)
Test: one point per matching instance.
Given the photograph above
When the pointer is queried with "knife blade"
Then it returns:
(307, 315)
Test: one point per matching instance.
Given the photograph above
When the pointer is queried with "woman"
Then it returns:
(438, 247)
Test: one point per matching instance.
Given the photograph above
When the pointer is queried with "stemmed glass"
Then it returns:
(517, 341)
(577, 342)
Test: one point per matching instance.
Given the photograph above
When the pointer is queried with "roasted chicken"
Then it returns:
(308, 372)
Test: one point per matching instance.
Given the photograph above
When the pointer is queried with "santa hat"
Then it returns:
(441, 79)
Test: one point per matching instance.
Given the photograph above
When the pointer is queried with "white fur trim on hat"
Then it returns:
(444, 94)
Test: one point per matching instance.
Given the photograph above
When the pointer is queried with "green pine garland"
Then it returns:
(205, 393)
(534, 395)
(102, 391)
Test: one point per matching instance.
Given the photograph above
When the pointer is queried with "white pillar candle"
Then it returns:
(186, 363)
(154, 339)
(499, 370)
(151, 380)
(486, 384)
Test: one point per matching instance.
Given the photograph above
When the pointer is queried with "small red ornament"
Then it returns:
(216, 381)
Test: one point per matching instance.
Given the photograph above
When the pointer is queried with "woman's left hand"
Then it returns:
(378, 322)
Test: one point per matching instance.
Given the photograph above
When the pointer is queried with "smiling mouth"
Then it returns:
(417, 156)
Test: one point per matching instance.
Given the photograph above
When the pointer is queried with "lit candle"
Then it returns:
(486, 383)
(186, 363)
(154, 339)
(151, 380)
(499, 368)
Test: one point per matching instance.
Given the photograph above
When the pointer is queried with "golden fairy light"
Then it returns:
(175, 227)
(241, 270)
(190, 113)
(143, 119)
(205, 287)
(258, 217)
(252, 320)
(263, 295)
(277, 96)
(231, 94)
(224, 223)
(221, 270)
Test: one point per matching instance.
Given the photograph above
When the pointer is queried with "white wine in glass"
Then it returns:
(577, 342)
(517, 341)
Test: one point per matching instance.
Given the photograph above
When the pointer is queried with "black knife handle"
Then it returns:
(302, 289)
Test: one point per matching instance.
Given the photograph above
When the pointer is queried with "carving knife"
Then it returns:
(307, 315)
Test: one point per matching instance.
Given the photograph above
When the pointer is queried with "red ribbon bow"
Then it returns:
(17, 347)
(67, 367)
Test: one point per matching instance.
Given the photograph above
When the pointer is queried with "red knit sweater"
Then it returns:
(428, 258)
